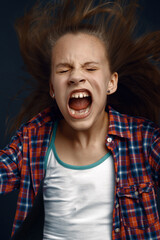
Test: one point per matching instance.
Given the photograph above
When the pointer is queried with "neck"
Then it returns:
(85, 138)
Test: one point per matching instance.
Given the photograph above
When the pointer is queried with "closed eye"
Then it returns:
(63, 71)
(91, 69)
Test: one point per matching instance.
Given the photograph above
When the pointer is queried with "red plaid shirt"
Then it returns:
(135, 145)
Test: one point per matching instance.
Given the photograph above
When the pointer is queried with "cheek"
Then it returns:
(56, 83)
(59, 92)
(101, 82)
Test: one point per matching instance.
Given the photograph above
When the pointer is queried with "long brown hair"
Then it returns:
(114, 22)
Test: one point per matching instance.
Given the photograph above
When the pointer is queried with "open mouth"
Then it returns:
(79, 104)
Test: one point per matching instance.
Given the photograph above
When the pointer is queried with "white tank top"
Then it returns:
(78, 200)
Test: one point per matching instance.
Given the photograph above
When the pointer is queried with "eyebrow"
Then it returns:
(91, 63)
(63, 65)
(69, 65)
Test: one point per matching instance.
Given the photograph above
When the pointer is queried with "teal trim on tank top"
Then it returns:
(51, 144)
(66, 165)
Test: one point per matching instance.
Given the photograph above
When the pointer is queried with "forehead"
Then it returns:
(79, 46)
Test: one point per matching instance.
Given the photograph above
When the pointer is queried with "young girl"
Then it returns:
(84, 170)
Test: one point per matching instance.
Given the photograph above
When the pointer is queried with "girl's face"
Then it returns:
(80, 79)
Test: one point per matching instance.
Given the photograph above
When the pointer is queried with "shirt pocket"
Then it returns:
(138, 206)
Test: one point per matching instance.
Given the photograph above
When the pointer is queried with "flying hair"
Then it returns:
(135, 59)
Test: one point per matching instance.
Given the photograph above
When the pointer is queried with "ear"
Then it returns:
(112, 84)
(51, 90)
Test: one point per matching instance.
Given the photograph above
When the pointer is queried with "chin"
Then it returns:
(81, 124)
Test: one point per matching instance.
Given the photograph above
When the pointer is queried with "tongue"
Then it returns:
(79, 103)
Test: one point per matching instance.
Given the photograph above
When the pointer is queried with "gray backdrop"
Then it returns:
(11, 80)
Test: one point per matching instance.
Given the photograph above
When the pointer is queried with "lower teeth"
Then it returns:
(80, 112)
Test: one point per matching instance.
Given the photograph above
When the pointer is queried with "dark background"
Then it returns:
(11, 80)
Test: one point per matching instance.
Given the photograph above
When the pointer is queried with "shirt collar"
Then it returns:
(118, 124)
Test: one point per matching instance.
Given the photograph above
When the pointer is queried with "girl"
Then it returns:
(83, 169)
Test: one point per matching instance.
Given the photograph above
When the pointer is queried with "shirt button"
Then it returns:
(136, 193)
(117, 180)
(117, 230)
(109, 140)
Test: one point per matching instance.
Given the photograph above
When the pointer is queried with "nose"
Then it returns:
(76, 77)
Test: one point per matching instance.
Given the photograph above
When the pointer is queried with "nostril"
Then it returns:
(82, 80)
(71, 82)
(75, 81)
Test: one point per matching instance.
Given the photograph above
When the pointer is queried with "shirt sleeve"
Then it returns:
(154, 156)
(10, 160)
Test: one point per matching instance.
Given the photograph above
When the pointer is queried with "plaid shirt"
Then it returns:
(135, 145)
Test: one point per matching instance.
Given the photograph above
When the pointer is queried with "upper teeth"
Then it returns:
(80, 95)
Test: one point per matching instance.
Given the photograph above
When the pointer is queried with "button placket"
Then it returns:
(111, 144)
(117, 214)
